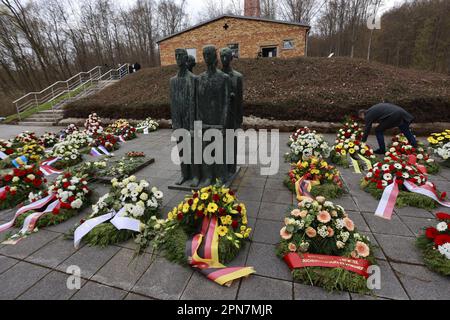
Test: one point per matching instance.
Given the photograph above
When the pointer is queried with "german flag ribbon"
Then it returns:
(206, 244)
(297, 261)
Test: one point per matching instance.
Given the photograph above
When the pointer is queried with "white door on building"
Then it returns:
(192, 52)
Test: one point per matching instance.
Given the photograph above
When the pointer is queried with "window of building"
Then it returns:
(269, 52)
(192, 52)
(235, 48)
(288, 44)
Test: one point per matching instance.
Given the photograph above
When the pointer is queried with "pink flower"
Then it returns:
(324, 217)
(362, 249)
(284, 234)
(292, 247)
(311, 232)
(296, 213)
(349, 224)
(303, 214)
(320, 199)
(330, 232)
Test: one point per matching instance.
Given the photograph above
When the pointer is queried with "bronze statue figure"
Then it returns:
(191, 63)
(182, 97)
(236, 113)
(213, 108)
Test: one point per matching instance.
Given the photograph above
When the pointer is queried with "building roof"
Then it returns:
(232, 16)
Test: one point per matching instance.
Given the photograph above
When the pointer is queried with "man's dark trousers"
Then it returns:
(404, 128)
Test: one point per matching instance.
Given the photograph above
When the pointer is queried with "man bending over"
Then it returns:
(388, 116)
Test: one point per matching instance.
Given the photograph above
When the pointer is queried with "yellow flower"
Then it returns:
(222, 231)
(240, 236)
(205, 190)
(305, 164)
(228, 198)
(212, 207)
(343, 152)
(351, 144)
(227, 220)
(201, 207)
(315, 171)
(351, 150)
(244, 220)
(186, 208)
(204, 196)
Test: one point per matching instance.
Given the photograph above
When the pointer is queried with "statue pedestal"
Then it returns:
(187, 185)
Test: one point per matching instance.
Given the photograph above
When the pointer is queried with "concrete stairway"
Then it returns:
(52, 117)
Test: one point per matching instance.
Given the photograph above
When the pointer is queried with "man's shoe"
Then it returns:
(379, 151)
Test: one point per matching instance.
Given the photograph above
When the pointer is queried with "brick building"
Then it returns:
(248, 36)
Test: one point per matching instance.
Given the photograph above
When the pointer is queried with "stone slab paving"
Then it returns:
(37, 267)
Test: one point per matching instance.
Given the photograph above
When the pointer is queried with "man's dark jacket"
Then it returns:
(388, 115)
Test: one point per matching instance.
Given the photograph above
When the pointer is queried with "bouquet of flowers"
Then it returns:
(444, 153)
(306, 146)
(18, 183)
(48, 140)
(392, 167)
(90, 168)
(325, 178)
(25, 137)
(351, 130)
(438, 139)
(353, 148)
(135, 154)
(122, 128)
(122, 167)
(107, 140)
(93, 124)
(69, 154)
(149, 124)
(6, 147)
(134, 199)
(402, 148)
(435, 245)
(300, 132)
(319, 227)
(73, 195)
(33, 151)
(79, 140)
(185, 220)
(71, 128)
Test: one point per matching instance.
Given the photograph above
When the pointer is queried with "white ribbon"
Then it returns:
(387, 202)
(427, 191)
(3, 155)
(117, 220)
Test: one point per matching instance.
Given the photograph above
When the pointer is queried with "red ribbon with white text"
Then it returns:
(47, 169)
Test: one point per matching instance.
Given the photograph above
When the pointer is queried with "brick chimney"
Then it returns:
(252, 8)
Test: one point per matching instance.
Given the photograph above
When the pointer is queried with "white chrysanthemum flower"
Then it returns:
(445, 250)
(441, 227)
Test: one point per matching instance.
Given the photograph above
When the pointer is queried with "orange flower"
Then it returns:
(349, 224)
(292, 247)
(296, 213)
(311, 232)
(284, 234)
(362, 249)
(330, 232)
(324, 217)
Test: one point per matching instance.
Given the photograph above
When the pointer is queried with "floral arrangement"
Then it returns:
(73, 194)
(18, 183)
(444, 153)
(69, 154)
(92, 169)
(107, 140)
(351, 130)
(93, 124)
(149, 124)
(138, 200)
(300, 132)
(402, 148)
(184, 221)
(25, 137)
(353, 148)
(308, 145)
(79, 140)
(48, 140)
(6, 147)
(320, 227)
(438, 139)
(435, 245)
(122, 128)
(71, 128)
(122, 167)
(325, 178)
(392, 167)
(33, 151)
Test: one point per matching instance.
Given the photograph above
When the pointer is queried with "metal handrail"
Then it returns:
(59, 88)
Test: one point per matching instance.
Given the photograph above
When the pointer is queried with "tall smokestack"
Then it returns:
(252, 8)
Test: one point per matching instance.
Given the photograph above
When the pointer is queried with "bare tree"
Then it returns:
(172, 16)
(298, 10)
(269, 9)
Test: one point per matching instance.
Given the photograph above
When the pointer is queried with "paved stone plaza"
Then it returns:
(36, 267)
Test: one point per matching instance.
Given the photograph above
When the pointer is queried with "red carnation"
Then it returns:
(443, 216)
(239, 209)
(55, 211)
(3, 196)
(180, 216)
(65, 205)
(8, 177)
(66, 185)
(216, 198)
(222, 212)
(37, 183)
(431, 233)
(190, 202)
(235, 224)
(442, 239)
(195, 195)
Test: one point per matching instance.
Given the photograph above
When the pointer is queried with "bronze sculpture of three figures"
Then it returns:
(215, 98)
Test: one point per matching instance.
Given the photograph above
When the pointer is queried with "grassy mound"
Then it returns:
(315, 89)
